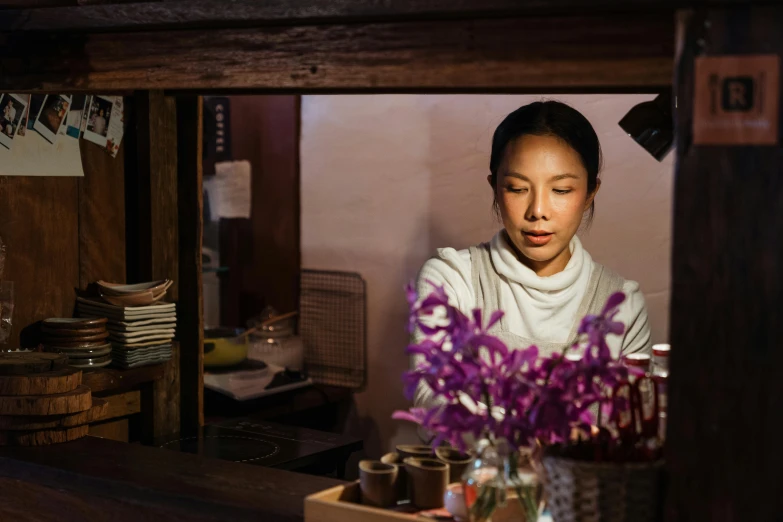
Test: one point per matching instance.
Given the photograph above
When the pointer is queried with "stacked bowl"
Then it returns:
(141, 294)
(84, 341)
(141, 326)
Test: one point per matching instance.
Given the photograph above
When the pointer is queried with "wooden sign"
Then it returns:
(736, 100)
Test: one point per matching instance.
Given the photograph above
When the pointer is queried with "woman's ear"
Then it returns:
(591, 197)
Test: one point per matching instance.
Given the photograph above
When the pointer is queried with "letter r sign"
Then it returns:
(736, 100)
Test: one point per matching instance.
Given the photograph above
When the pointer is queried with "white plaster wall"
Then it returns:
(387, 179)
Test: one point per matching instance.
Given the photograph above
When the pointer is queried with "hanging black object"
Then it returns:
(651, 125)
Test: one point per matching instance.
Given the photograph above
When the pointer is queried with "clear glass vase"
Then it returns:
(498, 488)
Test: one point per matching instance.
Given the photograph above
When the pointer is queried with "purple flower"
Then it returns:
(524, 396)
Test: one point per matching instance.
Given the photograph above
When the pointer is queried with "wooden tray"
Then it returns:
(341, 504)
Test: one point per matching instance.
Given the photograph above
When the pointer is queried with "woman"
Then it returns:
(544, 177)
(99, 125)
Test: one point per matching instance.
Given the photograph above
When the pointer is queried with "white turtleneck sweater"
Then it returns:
(541, 308)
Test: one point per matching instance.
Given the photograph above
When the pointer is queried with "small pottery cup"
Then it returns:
(454, 502)
(458, 462)
(402, 475)
(427, 480)
(415, 450)
(378, 483)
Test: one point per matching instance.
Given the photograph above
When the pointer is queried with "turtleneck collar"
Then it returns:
(508, 265)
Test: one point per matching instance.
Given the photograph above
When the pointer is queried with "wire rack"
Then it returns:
(333, 326)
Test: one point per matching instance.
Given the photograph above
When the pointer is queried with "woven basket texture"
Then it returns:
(579, 491)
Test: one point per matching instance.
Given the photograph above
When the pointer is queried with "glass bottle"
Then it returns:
(661, 378)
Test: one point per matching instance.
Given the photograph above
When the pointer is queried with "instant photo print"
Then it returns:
(52, 115)
(12, 107)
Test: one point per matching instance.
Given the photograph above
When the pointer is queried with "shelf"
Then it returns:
(113, 379)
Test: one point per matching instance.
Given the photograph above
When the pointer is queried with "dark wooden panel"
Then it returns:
(113, 430)
(205, 13)
(113, 380)
(153, 237)
(156, 183)
(101, 215)
(609, 51)
(726, 393)
(161, 402)
(264, 261)
(123, 404)
(190, 329)
(158, 478)
(23, 501)
(39, 225)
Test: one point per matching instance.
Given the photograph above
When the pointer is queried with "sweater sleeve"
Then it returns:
(633, 313)
(452, 270)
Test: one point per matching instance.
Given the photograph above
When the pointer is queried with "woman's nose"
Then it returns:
(539, 207)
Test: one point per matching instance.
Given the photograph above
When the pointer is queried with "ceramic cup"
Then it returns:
(458, 462)
(378, 483)
(415, 450)
(402, 476)
(427, 481)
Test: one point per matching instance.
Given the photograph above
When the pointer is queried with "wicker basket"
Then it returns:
(580, 491)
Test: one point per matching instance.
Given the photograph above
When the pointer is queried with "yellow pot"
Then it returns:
(224, 347)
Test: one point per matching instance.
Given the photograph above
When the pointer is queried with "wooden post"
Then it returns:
(726, 393)
(190, 312)
(152, 235)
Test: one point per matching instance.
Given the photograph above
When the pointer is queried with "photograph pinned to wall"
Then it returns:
(85, 114)
(116, 127)
(74, 120)
(36, 101)
(12, 107)
(105, 123)
(98, 120)
(25, 117)
(64, 127)
(52, 116)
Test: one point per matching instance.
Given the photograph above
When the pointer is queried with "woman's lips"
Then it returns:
(538, 238)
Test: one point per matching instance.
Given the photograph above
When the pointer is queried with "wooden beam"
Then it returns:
(153, 214)
(136, 16)
(612, 51)
(725, 394)
(110, 380)
(190, 326)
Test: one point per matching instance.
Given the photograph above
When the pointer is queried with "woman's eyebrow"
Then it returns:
(564, 176)
(516, 175)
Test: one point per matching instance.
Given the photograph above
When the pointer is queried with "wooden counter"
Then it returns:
(97, 479)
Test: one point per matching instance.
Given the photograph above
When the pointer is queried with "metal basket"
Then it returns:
(333, 326)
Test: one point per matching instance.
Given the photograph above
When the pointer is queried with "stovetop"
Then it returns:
(264, 443)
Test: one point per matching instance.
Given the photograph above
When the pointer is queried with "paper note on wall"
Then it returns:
(230, 190)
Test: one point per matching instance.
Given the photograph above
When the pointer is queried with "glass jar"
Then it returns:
(497, 485)
(276, 343)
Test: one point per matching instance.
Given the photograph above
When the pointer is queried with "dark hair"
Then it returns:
(550, 118)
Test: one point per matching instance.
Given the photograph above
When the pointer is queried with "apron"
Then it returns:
(486, 286)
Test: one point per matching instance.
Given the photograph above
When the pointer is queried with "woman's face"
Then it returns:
(542, 195)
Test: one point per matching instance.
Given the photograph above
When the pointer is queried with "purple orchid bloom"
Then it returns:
(527, 397)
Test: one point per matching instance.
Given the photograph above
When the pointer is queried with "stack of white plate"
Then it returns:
(139, 335)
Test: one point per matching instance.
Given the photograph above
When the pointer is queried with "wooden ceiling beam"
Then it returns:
(610, 52)
(178, 14)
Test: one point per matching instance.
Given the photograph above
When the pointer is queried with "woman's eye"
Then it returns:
(562, 191)
(516, 190)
